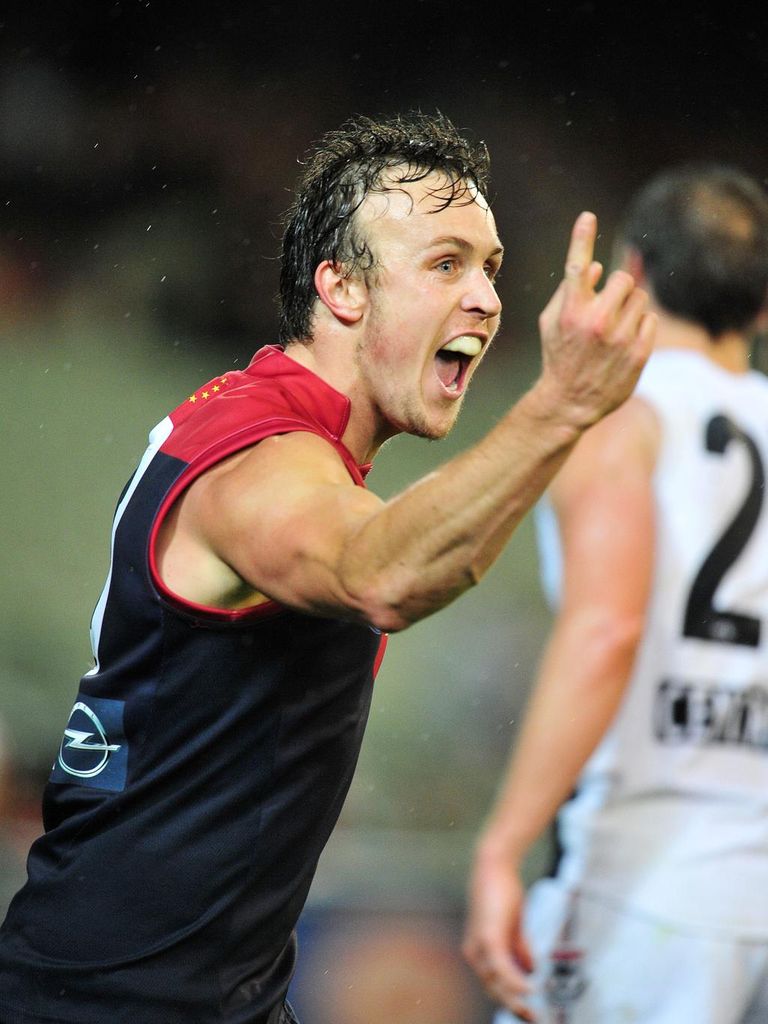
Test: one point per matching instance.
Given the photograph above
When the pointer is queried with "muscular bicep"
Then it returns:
(604, 502)
(279, 516)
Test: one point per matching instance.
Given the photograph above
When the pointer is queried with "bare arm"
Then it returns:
(285, 518)
(604, 502)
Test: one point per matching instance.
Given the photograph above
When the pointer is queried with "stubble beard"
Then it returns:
(404, 414)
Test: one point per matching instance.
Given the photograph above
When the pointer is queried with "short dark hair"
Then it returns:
(702, 232)
(343, 168)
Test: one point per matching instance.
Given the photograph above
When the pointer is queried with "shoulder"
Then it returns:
(268, 479)
(624, 444)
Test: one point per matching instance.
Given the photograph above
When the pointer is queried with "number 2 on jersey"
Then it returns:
(702, 619)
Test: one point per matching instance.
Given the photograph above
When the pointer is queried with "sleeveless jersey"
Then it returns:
(203, 766)
(671, 812)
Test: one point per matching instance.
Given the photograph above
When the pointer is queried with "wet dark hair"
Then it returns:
(702, 232)
(343, 168)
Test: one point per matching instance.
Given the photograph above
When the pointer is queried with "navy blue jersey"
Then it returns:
(203, 766)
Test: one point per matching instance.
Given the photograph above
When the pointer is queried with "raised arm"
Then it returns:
(604, 502)
(285, 518)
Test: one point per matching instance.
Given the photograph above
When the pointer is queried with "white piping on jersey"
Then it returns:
(157, 437)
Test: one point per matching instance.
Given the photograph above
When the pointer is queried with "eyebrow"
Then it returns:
(461, 243)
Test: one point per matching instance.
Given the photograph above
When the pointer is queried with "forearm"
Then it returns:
(582, 680)
(431, 542)
(438, 538)
(580, 684)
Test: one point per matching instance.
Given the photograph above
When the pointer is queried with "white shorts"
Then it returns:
(598, 964)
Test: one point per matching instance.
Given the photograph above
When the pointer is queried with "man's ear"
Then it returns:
(632, 262)
(346, 296)
(761, 322)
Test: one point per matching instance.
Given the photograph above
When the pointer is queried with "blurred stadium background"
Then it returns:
(146, 154)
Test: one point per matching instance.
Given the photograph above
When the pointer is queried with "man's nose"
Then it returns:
(481, 296)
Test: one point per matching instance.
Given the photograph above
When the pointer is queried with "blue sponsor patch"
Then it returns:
(94, 751)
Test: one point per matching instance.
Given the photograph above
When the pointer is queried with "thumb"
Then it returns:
(523, 953)
(552, 309)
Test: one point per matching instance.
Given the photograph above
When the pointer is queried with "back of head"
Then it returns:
(702, 232)
(344, 167)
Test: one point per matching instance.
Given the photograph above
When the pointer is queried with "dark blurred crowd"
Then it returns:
(147, 149)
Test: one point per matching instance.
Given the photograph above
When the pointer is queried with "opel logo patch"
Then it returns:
(85, 750)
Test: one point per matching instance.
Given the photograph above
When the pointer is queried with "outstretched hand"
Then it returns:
(594, 344)
(494, 944)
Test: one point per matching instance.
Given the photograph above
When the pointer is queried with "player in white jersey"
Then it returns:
(651, 700)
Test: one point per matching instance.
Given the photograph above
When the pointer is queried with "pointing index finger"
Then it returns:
(581, 249)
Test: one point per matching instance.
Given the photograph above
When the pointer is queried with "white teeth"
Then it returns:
(466, 344)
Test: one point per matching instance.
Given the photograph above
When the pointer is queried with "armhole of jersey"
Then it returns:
(657, 389)
(380, 653)
(182, 604)
(548, 550)
(268, 608)
(661, 408)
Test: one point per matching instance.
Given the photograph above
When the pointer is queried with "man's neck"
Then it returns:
(730, 351)
(361, 437)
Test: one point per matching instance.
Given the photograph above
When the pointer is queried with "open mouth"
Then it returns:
(452, 361)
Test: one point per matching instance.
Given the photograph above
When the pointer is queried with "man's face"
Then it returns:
(433, 306)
